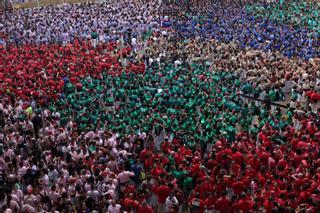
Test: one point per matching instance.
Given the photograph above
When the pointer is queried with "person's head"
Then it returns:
(171, 194)
(131, 195)
(144, 203)
(29, 189)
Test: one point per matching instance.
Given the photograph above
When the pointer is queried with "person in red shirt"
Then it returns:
(237, 156)
(144, 154)
(145, 208)
(268, 205)
(211, 201)
(163, 191)
(304, 195)
(238, 187)
(244, 204)
(158, 170)
(148, 162)
(223, 204)
(212, 162)
(130, 204)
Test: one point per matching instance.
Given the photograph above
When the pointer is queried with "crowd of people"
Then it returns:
(146, 107)
(41, 71)
(67, 22)
(235, 25)
(298, 13)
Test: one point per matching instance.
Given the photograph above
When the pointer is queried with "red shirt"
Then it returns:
(129, 203)
(244, 205)
(163, 192)
(210, 202)
(238, 157)
(158, 171)
(267, 206)
(238, 187)
(143, 154)
(178, 158)
(223, 204)
(204, 189)
(254, 163)
(304, 196)
(211, 164)
(281, 202)
(148, 163)
(146, 209)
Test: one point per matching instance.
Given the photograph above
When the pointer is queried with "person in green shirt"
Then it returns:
(187, 185)
(94, 38)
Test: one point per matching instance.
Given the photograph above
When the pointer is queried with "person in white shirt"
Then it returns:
(13, 204)
(17, 192)
(112, 164)
(53, 194)
(177, 63)
(171, 203)
(124, 176)
(114, 207)
(93, 193)
(28, 208)
(30, 199)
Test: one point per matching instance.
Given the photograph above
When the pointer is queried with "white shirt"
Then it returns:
(114, 209)
(28, 208)
(112, 165)
(94, 194)
(45, 180)
(177, 63)
(54, 196)
(134, 41)
(124, 176)
(170, 202)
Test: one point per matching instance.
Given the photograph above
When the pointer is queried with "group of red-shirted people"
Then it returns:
(34, 71)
